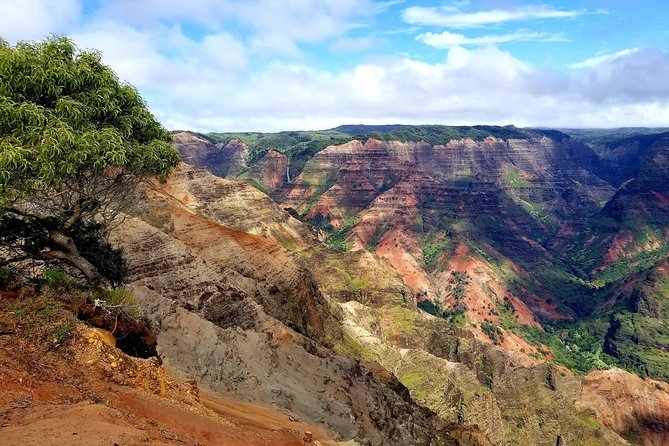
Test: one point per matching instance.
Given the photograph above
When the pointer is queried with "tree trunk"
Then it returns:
(69, 253)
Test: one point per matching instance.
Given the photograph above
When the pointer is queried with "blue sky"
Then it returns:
(223, 65)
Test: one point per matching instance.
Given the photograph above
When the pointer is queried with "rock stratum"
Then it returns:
(484, 275)
(247, 301)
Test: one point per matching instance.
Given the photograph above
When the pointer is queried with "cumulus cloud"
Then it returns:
(245, 68)
(385, 5)
(633, 78)
(299, 21)
(484, 85)
(451, 18)
(448, 39)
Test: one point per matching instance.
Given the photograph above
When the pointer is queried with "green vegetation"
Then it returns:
(299, 146)
(120, 302)
(513, 178)
(577, 346)
(639, 334)
(57, 280)
(405, 319)
(455, 316)
(350, 346)
(603, 141)
(459, 280)
(413, 379)
(337, 240)
(41, 319)
(638, 343)
(8, 276)
(441, 134)
(493, 332)
(258, 185)
(73, 144)
(627, 266)
(433, 248)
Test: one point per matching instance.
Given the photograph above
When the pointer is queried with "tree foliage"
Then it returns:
(74, 142)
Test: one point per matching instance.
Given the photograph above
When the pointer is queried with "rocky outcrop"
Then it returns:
(429, 224)
(271, 171)
(220, 159)
(473, 384)
(415, 203)
(637, 409)
(538, 170)
(645, 198)
(238, 205)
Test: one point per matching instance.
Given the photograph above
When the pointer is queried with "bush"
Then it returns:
(119, 302)
(337, 240)
(493, 332)
(56, 279)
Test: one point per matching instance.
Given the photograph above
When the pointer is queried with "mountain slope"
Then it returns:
(369, 315)
(212, 291)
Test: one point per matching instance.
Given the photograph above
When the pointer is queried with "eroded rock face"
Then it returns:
(271, 171)
(220, 159)
(539, 170)
(638, 409)
(238, 205)
(646, 196)
(416, 202)
(208, 288)
(240, 314)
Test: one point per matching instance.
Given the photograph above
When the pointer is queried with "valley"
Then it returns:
(510, 243)
(487, 290)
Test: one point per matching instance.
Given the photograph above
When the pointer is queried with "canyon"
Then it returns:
(493, 260)
(488, 286)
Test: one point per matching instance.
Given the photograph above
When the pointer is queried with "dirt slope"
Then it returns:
(84, 391)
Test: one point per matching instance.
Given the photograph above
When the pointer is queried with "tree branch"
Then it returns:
(76, 215)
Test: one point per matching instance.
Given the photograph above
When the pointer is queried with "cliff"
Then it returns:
(240, 314)
(480, 233)
(206, 285)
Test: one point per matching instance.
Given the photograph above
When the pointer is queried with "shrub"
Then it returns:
(119, 302)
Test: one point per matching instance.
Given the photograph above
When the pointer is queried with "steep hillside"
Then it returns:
(511, 234)
(65, 383)
(242, 315)
(212, 292)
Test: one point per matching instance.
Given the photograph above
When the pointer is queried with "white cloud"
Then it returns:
(448, 39)
(478, 86)
(383, 6)
(245, 69)
(447, 17)
(33, 19)
(269, 28)
(304, 20)
(597, 60)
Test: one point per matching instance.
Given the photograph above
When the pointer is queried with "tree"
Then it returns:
(74, 143)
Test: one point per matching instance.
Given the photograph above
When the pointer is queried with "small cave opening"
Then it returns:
(134, 337)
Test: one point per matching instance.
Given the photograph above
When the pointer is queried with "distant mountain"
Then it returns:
(488, 226)
(532, 262)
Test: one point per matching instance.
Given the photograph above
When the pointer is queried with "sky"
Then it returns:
(271, 65)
